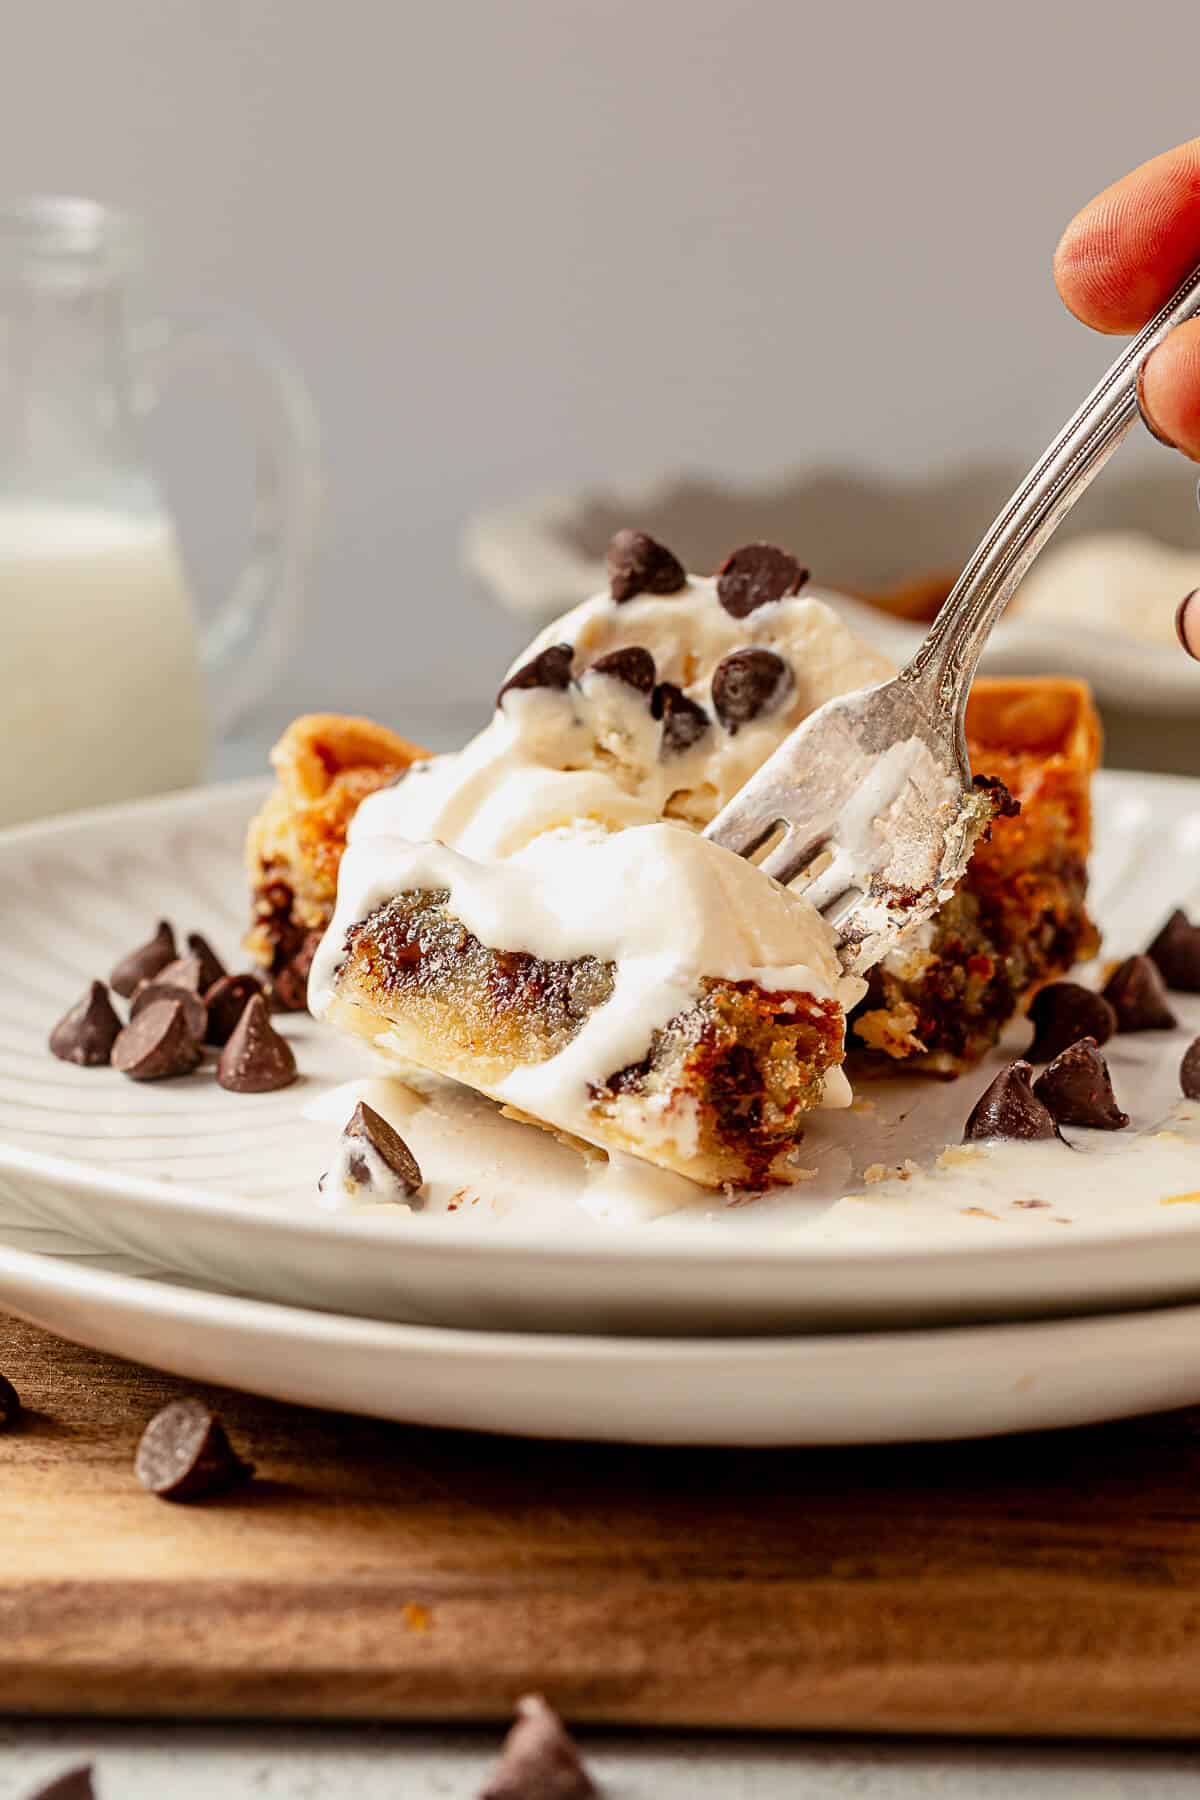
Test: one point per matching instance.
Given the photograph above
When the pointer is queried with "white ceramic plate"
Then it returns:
(846, 1389)
(516, 1235)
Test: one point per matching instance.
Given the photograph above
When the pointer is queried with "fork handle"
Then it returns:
(947, 659)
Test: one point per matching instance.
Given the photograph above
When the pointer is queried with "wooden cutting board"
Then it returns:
(1046, 1584)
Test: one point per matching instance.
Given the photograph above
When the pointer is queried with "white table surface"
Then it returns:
(185, 1762)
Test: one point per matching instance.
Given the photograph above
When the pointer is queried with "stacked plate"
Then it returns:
(179, 1224)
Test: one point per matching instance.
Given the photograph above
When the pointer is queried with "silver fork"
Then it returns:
(867, 807)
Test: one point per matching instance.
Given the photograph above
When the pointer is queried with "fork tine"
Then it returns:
(795, 850)
(746, 821)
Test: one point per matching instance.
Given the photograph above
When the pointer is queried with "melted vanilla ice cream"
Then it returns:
(569, 826)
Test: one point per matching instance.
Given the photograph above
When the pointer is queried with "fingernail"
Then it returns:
(1187, 623)
(1147, 421)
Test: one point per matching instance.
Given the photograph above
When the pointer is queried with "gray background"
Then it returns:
(532, 244)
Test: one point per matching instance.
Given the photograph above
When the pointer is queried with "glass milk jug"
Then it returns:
(108, 688)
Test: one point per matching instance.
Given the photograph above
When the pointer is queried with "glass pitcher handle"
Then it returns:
(242, 644)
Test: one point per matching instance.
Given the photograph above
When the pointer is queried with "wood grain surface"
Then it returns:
(1047, 1584)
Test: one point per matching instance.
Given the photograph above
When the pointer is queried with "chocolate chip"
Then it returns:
(1004, 804)
(684, 723)
(194, 1009)
(632, 665)
(225, 1002)
(1077, 1089)
(211, 966)
(746, 683)
(550, 668)
(76, 1784)
(256, 1060)
(638, 564)
(157, 1044)
(184, 1454)
(1176, 953)
(10, 1404)
(1009, 1108)
(87, 1033)
(1064, 1012)
(374, 1160)
(185, 972)
(538, 1760)
(1189, 1071)
(1187, 622)
(755, 575)
(144, 963)
(1136, 993)
(289, 985)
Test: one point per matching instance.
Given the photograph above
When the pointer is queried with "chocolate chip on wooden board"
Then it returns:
(1175, 952)
(211, 966)
(1009, 1108)
(194, 1010)
(538, 1759)
(684, 722)
(633, 665)
(10, 1403)
(1062, 1013)
(144, 963)
(157, 1044)
(256, 1060)
(76, 1784)
(184, 1454)
(755, 575)
(1077, 1089)
(746, 683)
(225, 1002)
(1137, 994)
(373, 1160)
(550, 668)
(639, 564)
(87, 1033)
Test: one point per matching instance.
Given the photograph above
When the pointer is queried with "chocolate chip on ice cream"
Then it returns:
(374, 1162)
(184, 1454)
(1137, 994)
(639, 564)
(1009, 1108)
(144, 963)
(194, 1009)
(633, 665)
(87, 1033)
(538, 1760)
(550, 668)
(256, 1060)
(684, 722)
(1062, 1013)
(1175, 952)
(756, 574)
(1077, 1089)
(157, 1044)
(746, 683)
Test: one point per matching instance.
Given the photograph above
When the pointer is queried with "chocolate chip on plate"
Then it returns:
(373, 1160)
(538, 1759)
(87, 1033)
(225, 1002)
(157, 1044)
(76, 1784)
(1009, 1108)
(10, 1404)
(1077, 1089)
(1187, 622)
(639, 564)
(185, 1454)
(1137, 994)
(746, 683)
(1062, 1013)
(756, 574)
(185, 972)
(1189, 1071)
(550, 668)
(144, 963)
(684, 723)
(256, 1060)
(211, 966)
(289, 985)
(1175, 952)
(194, 1009)
(633, 665)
